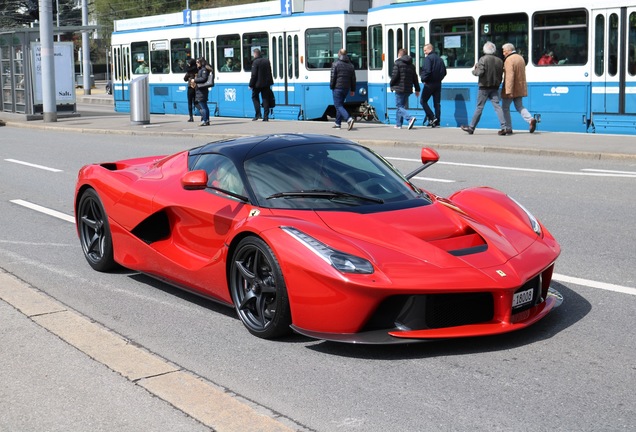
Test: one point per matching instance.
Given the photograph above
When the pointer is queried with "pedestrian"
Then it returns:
(432, 73)
(202, 89)
(515, 87)
(191, 73)
(489, 69)
(260, 84)
(403, 79)
(343, 81)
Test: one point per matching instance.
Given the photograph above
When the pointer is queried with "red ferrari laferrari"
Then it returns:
(321, 236)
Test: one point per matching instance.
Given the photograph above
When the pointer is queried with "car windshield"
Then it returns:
(325, 176)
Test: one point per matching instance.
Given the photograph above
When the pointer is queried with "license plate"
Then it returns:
(522, 297)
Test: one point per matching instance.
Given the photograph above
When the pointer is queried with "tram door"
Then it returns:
(411, 38)
(285, 59)
(614, 61)
(121, 72)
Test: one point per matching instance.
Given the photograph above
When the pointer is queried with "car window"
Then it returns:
(221, 171)
(323, 167)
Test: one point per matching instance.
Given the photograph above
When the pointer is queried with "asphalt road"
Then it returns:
(575, 370)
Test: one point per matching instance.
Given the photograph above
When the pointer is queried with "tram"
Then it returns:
(590, 86)
(300, 38)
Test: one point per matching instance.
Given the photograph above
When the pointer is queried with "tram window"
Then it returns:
(252, 41)
(563, 33)
(208, 53)
(612, 51)
(454, 40)
(140, 57)
(180, 50)
(229, 46)
(322, 47)
(631, 55)
(375, 47)
(296, 57)
(357, 46)
(599, 42)
(421, 37)
(159, 57)
(502, 29)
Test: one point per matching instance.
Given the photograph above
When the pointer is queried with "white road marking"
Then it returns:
(557, 277)
(587, 173)
(44, 210)
(609, 171)
(34, 165)
(594, 284)
(434, 179)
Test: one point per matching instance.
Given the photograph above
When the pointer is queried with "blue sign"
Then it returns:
(285, 7)
(187, 17)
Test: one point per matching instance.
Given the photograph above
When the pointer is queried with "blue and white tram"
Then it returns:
(301, 43)
(590, 88)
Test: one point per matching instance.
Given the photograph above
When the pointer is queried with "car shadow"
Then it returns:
(574, 308)
(189, 296)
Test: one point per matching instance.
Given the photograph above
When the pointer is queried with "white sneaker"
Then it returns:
(397, 127)
(350, 123)
(412, 122)
(335, 126)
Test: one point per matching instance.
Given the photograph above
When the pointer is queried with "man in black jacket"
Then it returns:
(260, 83)
(403, 79)
(343, 81)
(489, 69)
(432, 73)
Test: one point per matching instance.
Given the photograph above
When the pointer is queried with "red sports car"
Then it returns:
(322, 236)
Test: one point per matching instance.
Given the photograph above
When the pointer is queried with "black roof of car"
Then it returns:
(247, 147)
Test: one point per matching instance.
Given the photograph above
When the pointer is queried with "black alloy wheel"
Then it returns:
(258, 290)
(94, 232)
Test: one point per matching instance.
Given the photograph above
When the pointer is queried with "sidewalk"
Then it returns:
(95, 117)
(60, 371)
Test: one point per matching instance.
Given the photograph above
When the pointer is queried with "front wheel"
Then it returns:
(258, 290)
(94, 232)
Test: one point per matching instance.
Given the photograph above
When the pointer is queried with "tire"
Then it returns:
(94, 232)
(258, 290)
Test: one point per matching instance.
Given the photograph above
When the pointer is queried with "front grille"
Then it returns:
(430, 311)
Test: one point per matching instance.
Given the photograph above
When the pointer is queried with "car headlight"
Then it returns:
(534, 223)
(341, 261)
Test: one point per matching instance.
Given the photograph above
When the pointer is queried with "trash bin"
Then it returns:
(139, 101)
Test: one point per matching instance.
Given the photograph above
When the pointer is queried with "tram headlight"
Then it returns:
(362, 91)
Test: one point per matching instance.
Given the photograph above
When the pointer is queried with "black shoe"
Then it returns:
(533, 125)
(190, 119)
(502, 132)
(508, 131)
(468, 129)
(433, 123)
(265, 119)
(256, 118)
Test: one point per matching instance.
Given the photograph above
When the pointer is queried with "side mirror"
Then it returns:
(429, 156)
(195, 180)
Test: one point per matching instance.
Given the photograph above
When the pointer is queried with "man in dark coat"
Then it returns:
(260, 83)
(432, 73)
(191, 73)
(403, 79)
(343, 81)
(489, 70)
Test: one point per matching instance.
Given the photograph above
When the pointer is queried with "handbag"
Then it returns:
(208, 83)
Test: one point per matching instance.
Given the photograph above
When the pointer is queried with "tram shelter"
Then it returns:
(20, 78)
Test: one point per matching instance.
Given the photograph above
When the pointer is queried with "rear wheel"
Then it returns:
(94, 232)
(258, 290)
